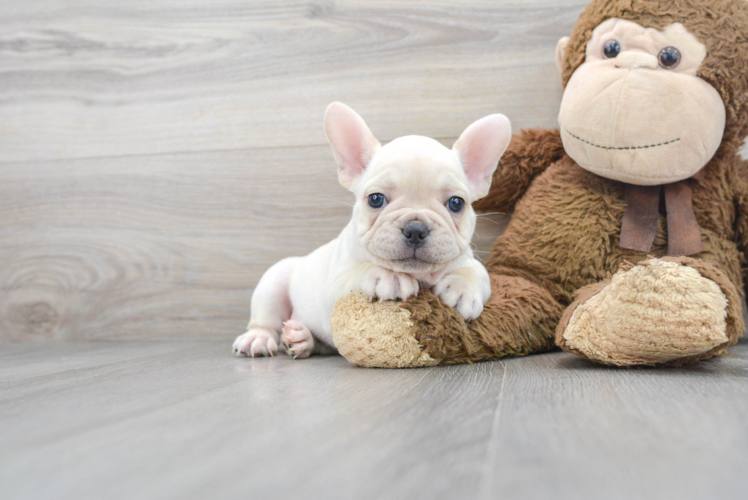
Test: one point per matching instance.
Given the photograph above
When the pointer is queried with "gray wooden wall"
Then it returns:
(156, 157)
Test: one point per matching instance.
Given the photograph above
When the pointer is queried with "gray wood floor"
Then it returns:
(168, 419)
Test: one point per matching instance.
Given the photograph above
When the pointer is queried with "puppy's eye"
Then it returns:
(456, 204)
(611, 49)
(377, 200)
(669, 57)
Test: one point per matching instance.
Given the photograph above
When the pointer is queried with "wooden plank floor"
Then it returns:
(168, 419)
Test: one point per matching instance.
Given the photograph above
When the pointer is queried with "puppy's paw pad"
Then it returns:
(297, 339)
(256, 342)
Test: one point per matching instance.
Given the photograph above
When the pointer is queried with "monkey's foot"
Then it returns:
(660, 311)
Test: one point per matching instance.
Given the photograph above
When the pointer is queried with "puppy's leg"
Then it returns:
(271, 306)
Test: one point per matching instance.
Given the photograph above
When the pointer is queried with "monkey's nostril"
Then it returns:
(415, 233)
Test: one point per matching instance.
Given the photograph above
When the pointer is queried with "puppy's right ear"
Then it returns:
(479, 149)
(353, 144)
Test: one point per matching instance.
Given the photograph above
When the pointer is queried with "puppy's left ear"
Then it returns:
(479, 149)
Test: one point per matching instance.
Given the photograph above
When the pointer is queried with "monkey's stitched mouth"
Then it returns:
(624, 148)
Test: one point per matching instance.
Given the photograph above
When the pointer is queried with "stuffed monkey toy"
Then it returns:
(628, 239)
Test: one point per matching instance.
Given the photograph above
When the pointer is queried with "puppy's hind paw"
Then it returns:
(256, 342)
(297, 339)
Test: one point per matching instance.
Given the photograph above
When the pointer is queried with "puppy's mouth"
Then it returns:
(414, 261)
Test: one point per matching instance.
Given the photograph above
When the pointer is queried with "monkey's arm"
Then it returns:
(529, 154)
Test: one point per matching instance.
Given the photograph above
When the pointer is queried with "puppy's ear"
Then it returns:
(353, 144)
(479, 149)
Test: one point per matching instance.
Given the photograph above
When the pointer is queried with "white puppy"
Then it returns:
(411, 227)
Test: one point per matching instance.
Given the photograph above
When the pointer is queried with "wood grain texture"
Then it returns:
(90, 78)
(156, 158)
(187, 420)
(160, 246)
(156, 246)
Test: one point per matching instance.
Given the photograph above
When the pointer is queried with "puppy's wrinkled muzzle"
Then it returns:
(415, 233)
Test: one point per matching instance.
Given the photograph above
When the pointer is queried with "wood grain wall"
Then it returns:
(157, 156)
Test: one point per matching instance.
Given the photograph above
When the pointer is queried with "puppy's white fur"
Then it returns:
(418, 176)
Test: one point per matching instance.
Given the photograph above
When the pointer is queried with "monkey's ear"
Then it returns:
(561, 52)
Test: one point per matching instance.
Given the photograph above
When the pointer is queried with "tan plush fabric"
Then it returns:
(721, 25)
(376, 334)
(628, 119)
(632, 319)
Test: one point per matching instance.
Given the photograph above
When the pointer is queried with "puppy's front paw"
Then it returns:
(297, 339)
(461, 293)
(387, 285)
(256, 342)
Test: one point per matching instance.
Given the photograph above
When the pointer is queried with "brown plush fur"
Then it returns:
(565, 231)
(564, 236)
(526, 314)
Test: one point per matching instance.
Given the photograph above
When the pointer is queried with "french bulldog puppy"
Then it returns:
(411, 227)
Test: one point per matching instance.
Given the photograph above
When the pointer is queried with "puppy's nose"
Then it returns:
(415, 233)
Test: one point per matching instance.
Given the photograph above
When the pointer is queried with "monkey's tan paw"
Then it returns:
(658, 311)
(376, 334)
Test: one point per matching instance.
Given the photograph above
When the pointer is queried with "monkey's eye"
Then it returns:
(669, 57)
(611, 49)
(456, 204)
(377, 200)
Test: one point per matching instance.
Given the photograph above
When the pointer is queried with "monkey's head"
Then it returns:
(653, 88)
